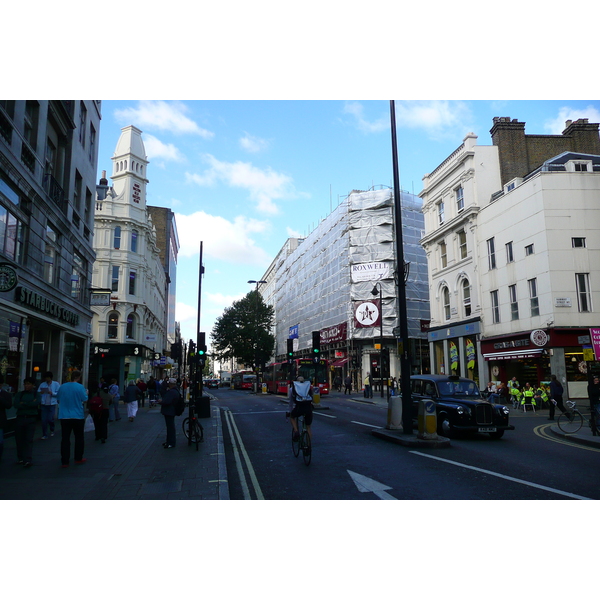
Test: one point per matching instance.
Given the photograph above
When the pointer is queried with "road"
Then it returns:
(349, 463)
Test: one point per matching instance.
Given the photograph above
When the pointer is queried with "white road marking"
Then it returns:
(366, 484)
(507, 477)
(315, 412)
(367, 424)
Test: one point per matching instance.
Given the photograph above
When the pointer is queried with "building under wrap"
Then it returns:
(318, 284)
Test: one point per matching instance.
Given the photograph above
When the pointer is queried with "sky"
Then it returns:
(243, 176)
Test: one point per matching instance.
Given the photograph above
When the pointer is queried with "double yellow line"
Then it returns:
(540, 431)
(240, 449)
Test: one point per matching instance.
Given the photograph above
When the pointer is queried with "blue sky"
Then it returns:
(242, 176)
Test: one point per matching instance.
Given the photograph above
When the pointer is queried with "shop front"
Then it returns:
(536, 355)
(455, 351)
(123, 362)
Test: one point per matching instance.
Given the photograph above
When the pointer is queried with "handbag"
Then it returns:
(89, 424)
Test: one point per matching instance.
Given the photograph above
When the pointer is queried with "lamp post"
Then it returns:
(256, 332)
(375, 292)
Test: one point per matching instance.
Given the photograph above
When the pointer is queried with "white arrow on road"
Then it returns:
(365, 484)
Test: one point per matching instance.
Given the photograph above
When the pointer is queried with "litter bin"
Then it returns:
(202, 407)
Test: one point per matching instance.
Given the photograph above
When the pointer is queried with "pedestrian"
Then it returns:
(594, 396)
(556, 397)
(71, 398)
(5, 402)
(502, 392)
(143, 388)
(528, 396)
(167, 409)
(48, 390)
(130, 397)
(394, 386)
(368, 393)
(114, 392)
(98, 407)
(337, 383)
(348, 384)
(27, 403)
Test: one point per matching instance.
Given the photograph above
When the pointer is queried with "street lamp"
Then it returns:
(256, 332)
(375, 292)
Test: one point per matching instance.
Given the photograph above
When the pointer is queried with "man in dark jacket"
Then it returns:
(167, 409)
(27, 402)
(556, 397)
(5, 402)
(594, 396)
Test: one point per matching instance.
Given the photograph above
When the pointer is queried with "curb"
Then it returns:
(412, 441)
(575, 437)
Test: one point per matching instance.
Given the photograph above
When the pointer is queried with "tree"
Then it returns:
(243, 325)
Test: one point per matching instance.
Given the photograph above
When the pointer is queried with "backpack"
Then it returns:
(179, 405)
(95, 404)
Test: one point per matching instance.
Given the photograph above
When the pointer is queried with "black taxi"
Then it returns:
(460, 408)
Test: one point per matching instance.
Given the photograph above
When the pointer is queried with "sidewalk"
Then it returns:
(132, 465)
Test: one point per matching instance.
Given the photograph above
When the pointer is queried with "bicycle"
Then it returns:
(192, 429)
(302, 442)
(572, 420)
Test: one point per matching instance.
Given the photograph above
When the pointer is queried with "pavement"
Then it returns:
(131, 465)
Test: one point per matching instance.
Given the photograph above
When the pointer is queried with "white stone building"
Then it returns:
(133, 327)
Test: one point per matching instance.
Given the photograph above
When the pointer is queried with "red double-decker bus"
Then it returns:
(278, 375)
(243, 380)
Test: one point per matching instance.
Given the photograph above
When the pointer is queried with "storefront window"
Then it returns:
(438, 349)
(73, 357)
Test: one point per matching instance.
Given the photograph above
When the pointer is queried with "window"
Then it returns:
(529, 250)
(78, 277)
(77, 191)
(117, 238)
(12, 233)
(462, 244)
(82, 122)
(446, 302)
(578, 242)
(50, 255)
(495, 306)
(134, 240)
(92, 151)
(466, 297)
(491, 254)
(443, 255)
(584, 298)
(581, 166)
(533, 297)
(113, 326)
(130, 330)
(514, 305)
(132, 276)
(510, 257)
(114, 283)
(460, 199)
(440, 208)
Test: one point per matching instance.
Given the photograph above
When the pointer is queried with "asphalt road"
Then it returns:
(349, 463)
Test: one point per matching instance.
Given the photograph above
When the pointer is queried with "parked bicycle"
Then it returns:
(302, 442)
(572, 420)
(192, 428)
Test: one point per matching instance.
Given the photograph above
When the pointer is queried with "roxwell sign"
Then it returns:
(45, 305)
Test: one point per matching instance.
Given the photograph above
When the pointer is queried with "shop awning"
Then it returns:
(340, 362)
(513, 354)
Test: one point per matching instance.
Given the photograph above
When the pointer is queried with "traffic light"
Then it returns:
(192, 350)
(202, 348)
(290, 350)
(316, 344)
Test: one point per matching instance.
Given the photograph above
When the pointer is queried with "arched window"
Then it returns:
(113, 326)
(130, 331)
(134, 240)
(446, 303)
(466, 291)
(117, 238)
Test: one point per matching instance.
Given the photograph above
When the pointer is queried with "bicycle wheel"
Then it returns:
(306, 447)
(295, 445)
(570, 422)
(186, 428)
(197, 432)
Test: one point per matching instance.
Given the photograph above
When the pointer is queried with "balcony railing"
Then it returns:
(55, 192)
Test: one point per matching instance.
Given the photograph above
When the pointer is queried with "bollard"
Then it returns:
(264, 388)
(394, 413)
(317, 396)
(427, 420)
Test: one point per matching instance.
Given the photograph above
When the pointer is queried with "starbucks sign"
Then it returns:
(8, 278)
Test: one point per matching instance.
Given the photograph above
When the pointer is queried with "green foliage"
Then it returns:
(246, 323)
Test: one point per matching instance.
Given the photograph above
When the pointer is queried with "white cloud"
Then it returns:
(157, 149)
(438, 118)
(253, 144)
(167, 116)
(265, 185)
(557, 126)
(224, 240)
(293, 234)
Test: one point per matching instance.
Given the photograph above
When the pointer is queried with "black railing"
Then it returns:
(55, 191)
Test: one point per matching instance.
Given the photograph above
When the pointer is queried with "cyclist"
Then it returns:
(300, 397)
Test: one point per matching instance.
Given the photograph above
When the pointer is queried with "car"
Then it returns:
(211, 383)
(460, 407)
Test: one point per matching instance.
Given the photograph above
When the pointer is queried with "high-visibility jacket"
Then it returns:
(528, 396)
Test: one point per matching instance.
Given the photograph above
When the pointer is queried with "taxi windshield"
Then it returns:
(458, 388)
